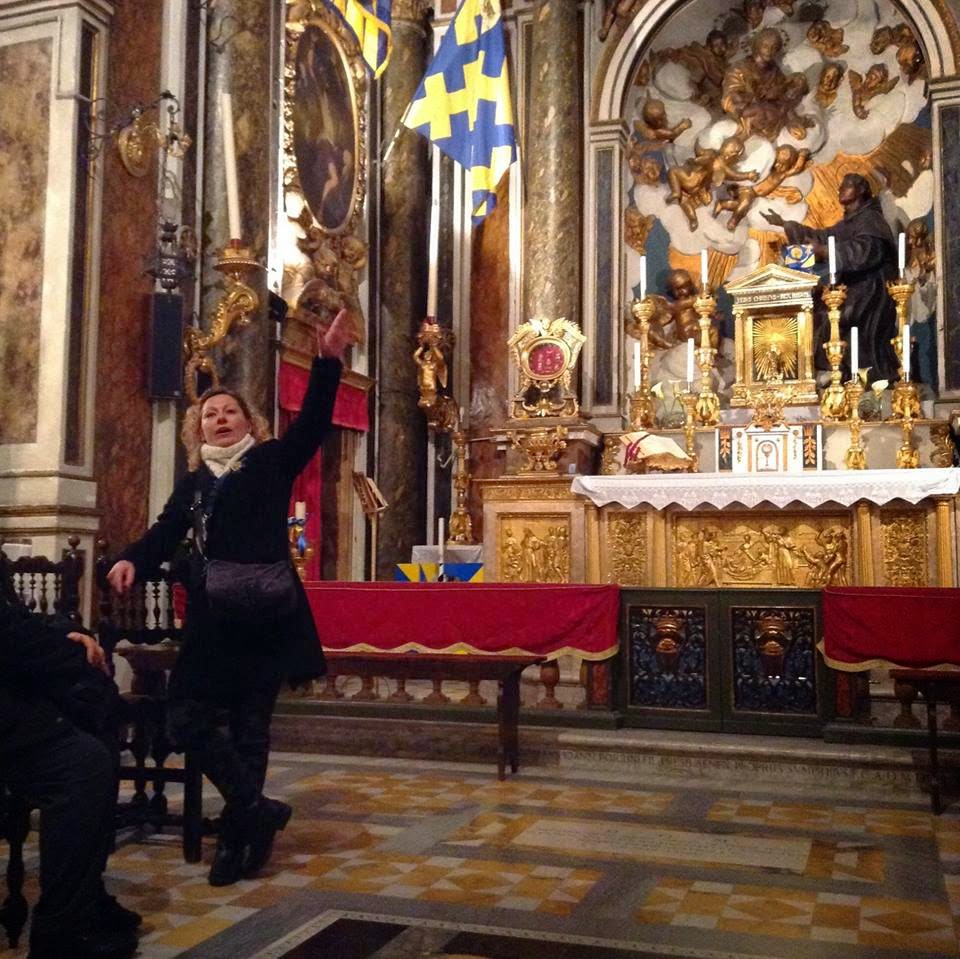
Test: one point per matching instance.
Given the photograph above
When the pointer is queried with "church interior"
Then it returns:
(634, 547)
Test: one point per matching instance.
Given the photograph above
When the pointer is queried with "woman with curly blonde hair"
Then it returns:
(225, 683)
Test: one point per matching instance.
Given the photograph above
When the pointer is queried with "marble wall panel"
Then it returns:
(25, 77)
(123, 413)
(950, 188)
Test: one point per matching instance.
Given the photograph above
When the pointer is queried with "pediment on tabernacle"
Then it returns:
(773, 276)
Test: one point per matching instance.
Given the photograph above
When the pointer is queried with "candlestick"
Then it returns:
(833, 402)
(704, 272)
(902, 253)
(690, 348)
(708, 403)
(643, 277)
(856, 456)
(300, 510)
(642, 405)
(854, 353)
(230, 167)
(832, 258)
(636, 365)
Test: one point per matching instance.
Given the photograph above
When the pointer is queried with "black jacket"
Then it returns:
(37, 663)
(248, 525)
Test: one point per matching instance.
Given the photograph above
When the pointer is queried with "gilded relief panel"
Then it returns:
(25, 77)
(533, 548)
(626, 549)
(905, 548)
(761, 550)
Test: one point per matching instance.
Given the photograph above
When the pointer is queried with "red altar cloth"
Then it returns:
(514, 618)
(868, 627)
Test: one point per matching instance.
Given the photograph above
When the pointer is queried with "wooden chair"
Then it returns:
(145, 618)
(46, 586)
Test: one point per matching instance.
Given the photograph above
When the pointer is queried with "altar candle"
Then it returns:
(300, 510)
(636, 365)
(434, 256)
(230, 167)
(704, 274)
(832, 257)
(643, 277)
(690, 348)
(902, 253)
(441, 539)
(854, 352)
(905, 352)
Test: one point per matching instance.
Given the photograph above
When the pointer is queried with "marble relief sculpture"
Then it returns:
(876, 82)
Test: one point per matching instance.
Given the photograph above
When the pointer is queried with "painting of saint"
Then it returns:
(325, 129)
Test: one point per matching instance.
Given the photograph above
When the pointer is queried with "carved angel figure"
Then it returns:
(616, 10)
(706, 63)
(676, 319)
(653, 129)
(787, 161)
(865, 88)
(431, 363)
(828, 40)
(637, 227)
(831, 77)
(691, 185)
(921, 256)
(644, 167)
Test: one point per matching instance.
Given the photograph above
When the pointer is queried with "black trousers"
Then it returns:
(230, 739)
(72, 779)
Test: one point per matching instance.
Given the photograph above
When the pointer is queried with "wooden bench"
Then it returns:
(505, 670)
(935, 686)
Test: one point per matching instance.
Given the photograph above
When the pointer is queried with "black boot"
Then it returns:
(113, 917)
(269, 817)
(228, 860)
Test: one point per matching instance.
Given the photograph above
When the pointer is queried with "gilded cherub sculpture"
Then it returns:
(431, 363)
(828, 40)
(637, 227)
(692, 184)
(828, 85)
(788, 161)
(644, 167)
(909, 52)
(876, 82)
(675, 319)
(921, 255)
(616, 10)
(652, 129)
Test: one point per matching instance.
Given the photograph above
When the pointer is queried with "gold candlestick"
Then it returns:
(856, 458)
(300, 549)
(901, 291)
(833, 403)
(908, 456)
(461, 526)
(905, 402)
(642, 404)
(689, 401)
(708, 403)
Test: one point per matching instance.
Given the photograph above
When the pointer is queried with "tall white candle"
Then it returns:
(690, 348)
(854, 352)
(441, 538)
(230, 167)
(434, 257)
(704, 272)
(902, 253)
(300, 510)
(643, 277)
(636, 365)
(905, 351)
(832, 258)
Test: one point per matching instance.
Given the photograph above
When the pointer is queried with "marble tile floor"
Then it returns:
(395, 859)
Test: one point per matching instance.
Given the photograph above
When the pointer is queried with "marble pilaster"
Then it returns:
(239, 62)
(405, 191)
(552, 212)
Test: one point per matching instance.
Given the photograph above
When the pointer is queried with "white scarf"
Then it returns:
(224, 459)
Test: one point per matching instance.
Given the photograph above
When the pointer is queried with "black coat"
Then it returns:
(866, 259)
(37, 663)
(248, 525)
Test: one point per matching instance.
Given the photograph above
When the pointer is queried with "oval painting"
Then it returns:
(325, 129)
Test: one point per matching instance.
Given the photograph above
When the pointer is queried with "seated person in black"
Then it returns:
(48, 671)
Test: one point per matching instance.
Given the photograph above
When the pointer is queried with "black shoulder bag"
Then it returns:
(252, 593)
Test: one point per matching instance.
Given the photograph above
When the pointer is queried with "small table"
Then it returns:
(505, 670)
(936, 686)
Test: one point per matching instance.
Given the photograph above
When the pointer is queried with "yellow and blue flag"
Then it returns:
(370, 22)
(463, 103)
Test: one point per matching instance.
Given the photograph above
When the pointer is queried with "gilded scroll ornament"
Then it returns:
(627, 550)
(538, 551)
(540, 449)
(942, 453)
(904, 538)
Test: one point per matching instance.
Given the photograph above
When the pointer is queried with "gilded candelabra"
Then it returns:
(708, 403)
(642, 404)
(856, 458)
(689, 401)
(908, 456)
(833, 403)
(905, 395)
(237, 306)
(300, 548)
(461, 526)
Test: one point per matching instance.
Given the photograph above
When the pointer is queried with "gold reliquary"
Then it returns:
(773, 317)
(545, 353)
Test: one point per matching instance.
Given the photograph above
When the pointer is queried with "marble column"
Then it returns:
(405, 188)
(552, 211)
(238, 51)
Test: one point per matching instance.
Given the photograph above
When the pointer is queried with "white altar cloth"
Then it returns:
(844, 487)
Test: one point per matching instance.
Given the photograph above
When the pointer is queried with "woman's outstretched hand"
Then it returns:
(121, 576)
(334, 342)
